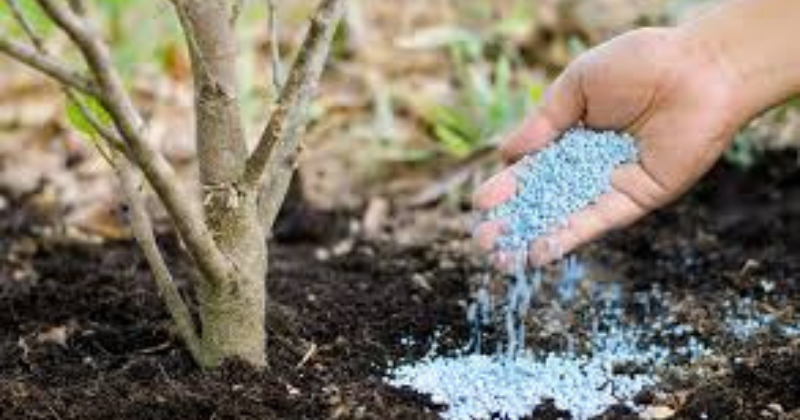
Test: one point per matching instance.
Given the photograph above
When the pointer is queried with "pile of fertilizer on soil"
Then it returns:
(608, 363)
(479, 386)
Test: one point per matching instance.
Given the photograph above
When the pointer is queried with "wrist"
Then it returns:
(750, 46)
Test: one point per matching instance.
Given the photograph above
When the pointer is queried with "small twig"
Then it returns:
(111, 138)
(49, 66)
(38, 57)
(284, 124)
(169, 380)
(26, 26)
(275, 47)
(53, 411)
(26, 350)
(312, 350)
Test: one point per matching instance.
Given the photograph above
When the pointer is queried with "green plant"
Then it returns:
(490, 96)
(488, 102)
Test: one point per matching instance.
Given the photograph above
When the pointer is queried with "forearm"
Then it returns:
(757, 43)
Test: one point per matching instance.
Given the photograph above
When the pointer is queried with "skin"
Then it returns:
(683, 92)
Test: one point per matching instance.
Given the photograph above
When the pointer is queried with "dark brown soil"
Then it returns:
(738, 230)
(84, 336)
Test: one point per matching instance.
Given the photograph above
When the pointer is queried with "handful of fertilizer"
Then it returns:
(561, 179)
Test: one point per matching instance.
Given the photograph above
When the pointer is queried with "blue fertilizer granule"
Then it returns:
(482, 387)
(479, 386)
(558, 181)
(744, 321)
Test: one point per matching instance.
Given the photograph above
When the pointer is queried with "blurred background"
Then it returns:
(417, 94)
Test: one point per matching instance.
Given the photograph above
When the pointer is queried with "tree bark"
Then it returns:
(232, 313)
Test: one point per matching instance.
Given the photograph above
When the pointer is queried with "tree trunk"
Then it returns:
(233, 322)
(233, 311)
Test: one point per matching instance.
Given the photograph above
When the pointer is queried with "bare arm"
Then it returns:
(683, 92)
(757, 42)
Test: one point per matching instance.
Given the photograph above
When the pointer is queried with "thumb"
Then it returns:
(563, 106)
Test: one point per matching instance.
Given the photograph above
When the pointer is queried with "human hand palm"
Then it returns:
(671, 97)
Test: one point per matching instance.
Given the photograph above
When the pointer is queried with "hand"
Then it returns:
(670, 94)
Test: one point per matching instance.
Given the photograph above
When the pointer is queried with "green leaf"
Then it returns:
(479, 88)
(455, 120)
(502, 79)
(80, 123)
(453, 142)
(78, 120)
(442, 115)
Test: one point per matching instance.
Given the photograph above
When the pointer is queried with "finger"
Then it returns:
(562, 107)
(534, 134)
(488, 233)
(611, 211)
(497, 190)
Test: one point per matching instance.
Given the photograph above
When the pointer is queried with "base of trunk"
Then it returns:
(234, 324)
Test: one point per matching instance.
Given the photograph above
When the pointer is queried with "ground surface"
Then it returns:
(83, 335)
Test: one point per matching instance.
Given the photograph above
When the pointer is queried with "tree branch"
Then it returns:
(211, 40)
(47, 65)
(278, 146)
(183, 212)
(275, 48)
(143, 232)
